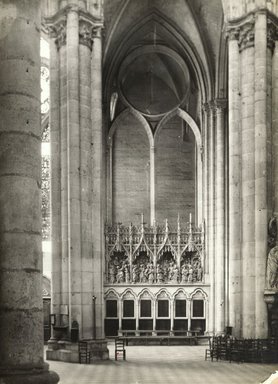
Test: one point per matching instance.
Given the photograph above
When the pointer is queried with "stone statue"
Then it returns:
(134, 273)
(272, 268)
(160, 277)
(120, 275)
(190, 273)
(112, 273)
(184, 273)
(126, 270)
(175, 275)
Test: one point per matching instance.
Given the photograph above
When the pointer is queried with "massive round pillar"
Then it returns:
(262, 164)
(21, 327)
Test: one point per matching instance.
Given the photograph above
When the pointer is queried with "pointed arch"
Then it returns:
(128, 293)
(163, 293)
(111, 294)
(180, 292)
(200, 292)
(121, 118)
(147, 292)
(184, 116)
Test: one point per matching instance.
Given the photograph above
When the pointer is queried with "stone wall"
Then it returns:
(130, 171)
(175, 172)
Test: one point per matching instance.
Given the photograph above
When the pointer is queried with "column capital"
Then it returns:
(247, 35)
(232, 33)
(56, 27)
(90, 27)
(220, 104)
(242, 29)
(272, 32)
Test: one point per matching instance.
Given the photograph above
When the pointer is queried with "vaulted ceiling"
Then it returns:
(192, 28)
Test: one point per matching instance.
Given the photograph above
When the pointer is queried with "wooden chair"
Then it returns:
(120, 349)
(212, 351)
(84, 353)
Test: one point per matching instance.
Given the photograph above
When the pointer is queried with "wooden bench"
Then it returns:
(159, 340)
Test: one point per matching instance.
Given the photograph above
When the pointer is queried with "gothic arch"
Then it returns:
(122, 116)
(199, 291)
(111, 293)
(180, 292)
(163, 293)
(128, 293)
(145, 291)
(187, 118)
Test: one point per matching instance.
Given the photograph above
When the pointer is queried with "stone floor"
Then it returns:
(162, 365)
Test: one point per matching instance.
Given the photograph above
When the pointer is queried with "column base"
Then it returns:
(29, 377)
(68, 352)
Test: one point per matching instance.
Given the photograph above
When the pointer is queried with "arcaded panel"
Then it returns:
(175, 172)
(131, 169)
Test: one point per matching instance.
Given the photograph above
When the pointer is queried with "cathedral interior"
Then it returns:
(139, 174)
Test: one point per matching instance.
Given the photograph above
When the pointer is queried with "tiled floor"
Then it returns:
(162, 365)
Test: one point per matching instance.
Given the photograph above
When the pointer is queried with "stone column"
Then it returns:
(234, 187)
(81, 187)
(152, 184)
(220, 257)
(248, 178)
(262, 164)
(61, 40)
(205, 181)
(211, 213)
(55, 174)
(85, 46)
(275, 130)
(73, 130)
(98, 179)
(21, 325)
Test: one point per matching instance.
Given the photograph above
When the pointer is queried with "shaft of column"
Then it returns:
(21, 309)
(205, 180)
(55, 164)
(85, 181)
(262, 165)
(152, 184)
(73, 130)
(220, 218)
(211, 217)
(248, 191)
(275, 130)
(235, 273)
(64, 175)
(98, 181)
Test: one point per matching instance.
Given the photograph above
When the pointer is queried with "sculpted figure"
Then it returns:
(175, 275)
(199, 272)
(184, 273)
(126, 270)
(151, 274)
(159, 274)
(112, 273)
(190, 273)
(120, 275)
(134, 274)
(272, 268)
